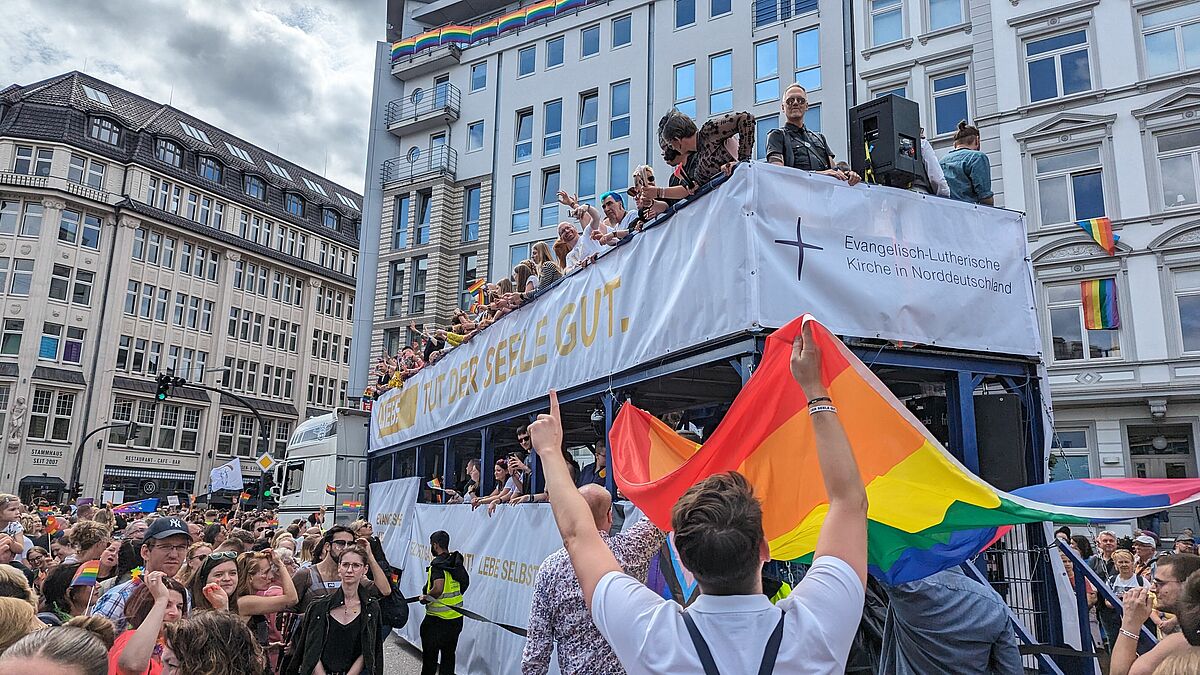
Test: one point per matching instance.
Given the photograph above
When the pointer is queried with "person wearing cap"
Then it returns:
(1184, 544)
(1144, 558)
(163, 548)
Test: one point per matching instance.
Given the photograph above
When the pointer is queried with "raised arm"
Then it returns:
(844, 532)
(135, 658)
(740, 123)
(382, 583)
(252, 605)
(590, 557)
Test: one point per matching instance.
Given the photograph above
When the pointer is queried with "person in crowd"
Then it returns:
(62, 600)
(1101, 563)
(65, 650)
(719, 536)
(1063, 534)
(17, 619)
(558, 617)
(948, 618)
(968, 171)
(307, 547)
(596, 472)
(796, 146)
(506, 488)
(706, 149)
(214, 584)
(284, 539)
(96, 625)
(341, 632)
(470, 487)
(321, 579)
(14, 583)
(32, 526)
(211, 643)
(214, 535)
(163, 548)
(12, 535)
(90, 539)
(583, 250)
(1181, 663)
(38, 559)
(1081, 546)
(933, 168)
(548, 270)
(1175, 590)
(1183, 544)
(263, 590)
(561, 250)
(60, 549)
(446, 580)
(287, 558)
(196, 530)
(85, 508)
(157, 603)
(1144, 547)
(192, 561)
(1124, 579)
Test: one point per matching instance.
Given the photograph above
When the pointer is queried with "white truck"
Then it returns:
(327, 451)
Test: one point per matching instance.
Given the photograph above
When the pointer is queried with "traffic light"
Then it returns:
(164, 387)
(268, 486)
(76, 491)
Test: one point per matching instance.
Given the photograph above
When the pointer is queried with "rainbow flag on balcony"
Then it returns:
(432, 38)
(563, 5)
(456, 35)
(1101, 230)
(926, 511)
(511, 21)
(539, 12)
(1100, 304)
(485, 30)
(404, 48)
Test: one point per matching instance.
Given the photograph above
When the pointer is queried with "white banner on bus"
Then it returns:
(502, 554)
(389, 511)
(767, 246)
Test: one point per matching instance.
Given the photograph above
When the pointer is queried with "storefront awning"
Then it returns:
(42, 480)
(122, 472)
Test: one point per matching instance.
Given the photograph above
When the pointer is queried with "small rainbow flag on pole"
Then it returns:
(1101, 230)
(1100, 304)
(245, 496)
(53, 525)
(87, 574)
(330, 490)
(352, 505)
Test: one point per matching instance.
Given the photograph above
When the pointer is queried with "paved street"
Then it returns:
(400, 658)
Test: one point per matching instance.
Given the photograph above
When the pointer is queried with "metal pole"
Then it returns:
(77, 461)
(263, 441)
(610, 405)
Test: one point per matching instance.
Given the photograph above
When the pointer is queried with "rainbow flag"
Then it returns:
(485, 30)
(404, 48)
(245, 496)
(456, 34)
(1100, 304)
(352, 505)
(1100, 229)
(53, 525)
(330, 490)
(511, 21)
(86, 574)
(927, 512)
(429, 39)
(563, 5)
(140, 506)
(539, 12)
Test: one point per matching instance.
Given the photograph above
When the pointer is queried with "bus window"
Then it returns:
(293, 478)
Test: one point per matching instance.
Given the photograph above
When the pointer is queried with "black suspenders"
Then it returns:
(706, 658)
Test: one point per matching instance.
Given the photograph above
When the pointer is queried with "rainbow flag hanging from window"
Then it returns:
(927, 512)
(1101, 230)
(1100, 304)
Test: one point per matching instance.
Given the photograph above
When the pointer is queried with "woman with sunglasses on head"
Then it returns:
(215, 583)
(341, 634)
(264, 589)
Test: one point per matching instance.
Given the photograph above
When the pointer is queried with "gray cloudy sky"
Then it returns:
(292, 77)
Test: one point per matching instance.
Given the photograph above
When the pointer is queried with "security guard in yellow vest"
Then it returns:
(446, 580)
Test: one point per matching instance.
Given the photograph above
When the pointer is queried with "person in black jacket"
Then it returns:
(341, 632)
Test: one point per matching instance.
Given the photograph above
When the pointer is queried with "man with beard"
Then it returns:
(446, 580)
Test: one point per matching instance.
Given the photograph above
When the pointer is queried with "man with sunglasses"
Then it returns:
(163, 548)
(321, 579)
(799, 147)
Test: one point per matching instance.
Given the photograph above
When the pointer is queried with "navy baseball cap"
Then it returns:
(166, 527)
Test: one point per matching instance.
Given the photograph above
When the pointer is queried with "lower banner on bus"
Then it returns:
(390, 513)
(502, 553)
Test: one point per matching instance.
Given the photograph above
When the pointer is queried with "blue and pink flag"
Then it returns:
(140, 506)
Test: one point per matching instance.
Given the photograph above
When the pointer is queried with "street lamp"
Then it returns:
(76, 486)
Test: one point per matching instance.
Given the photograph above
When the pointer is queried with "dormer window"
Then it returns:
(255, 187)
(168, 152)
(331, 219)
(105, 131)
(209, 169)
(294, 204)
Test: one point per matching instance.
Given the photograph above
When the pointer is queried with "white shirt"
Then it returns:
(648, 634)
(585, 247)
(937, 177)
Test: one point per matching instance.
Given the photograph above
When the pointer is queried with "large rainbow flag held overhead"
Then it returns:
(927, 512)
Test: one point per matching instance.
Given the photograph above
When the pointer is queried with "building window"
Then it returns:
(400, 222)
(331, 219)
(685, 88)
(475, 136)
(81, 292)
(10, 340)
(50, 415)
(294, 204)
(60, 282)
(1069, 457)
(887, 21)
(1171, 38)
(812, 118)
(585, 181)
(470, 230)
(766, 71)
(900, 91)
(622, 31)
(255, 187)
(1070, 186)
(526, 59)
(29, 217)
(555, 51)
(720, 83)
(720, 7)
(424, 217)
(550, 197)
(105, 131)
(589, 41)
(1179, 166)
(685, 13)
(209, 169)
(618, 126)
(552, 128)
(86, 172)
(1070, 340)
(589, 110)
(523, 146)
(22, 276)
(762, 127)
(808, 59)
(518, 253)
(478, 76)
(33, 161)
(618, 170)
(944, 13)
(1187, 300)
(420, 271)
(467, 273)
(396, 288)
(1058, 66)
(168, 152)
(520, 203)
(949, 102)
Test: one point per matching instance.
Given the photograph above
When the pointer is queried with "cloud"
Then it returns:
(291, 77)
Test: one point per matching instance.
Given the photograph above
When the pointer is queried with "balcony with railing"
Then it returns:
(439, 58)
(421, 164)
(772, 11)
(423, 109)
(58, 183)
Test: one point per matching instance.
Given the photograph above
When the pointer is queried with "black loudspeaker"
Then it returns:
(1001, 440)
(885, 141)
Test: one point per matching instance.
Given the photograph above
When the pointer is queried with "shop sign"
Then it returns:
(46, 457)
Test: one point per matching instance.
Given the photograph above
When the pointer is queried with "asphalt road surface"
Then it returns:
(400, 658)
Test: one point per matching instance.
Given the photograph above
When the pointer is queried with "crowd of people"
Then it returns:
(697, 155)
(190, 591)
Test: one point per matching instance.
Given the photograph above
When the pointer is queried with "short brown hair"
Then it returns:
(1189, 609)
(138, 607)
(674, 126)
(87, 533)
(718, 530)
(965, 132)
(215, 643)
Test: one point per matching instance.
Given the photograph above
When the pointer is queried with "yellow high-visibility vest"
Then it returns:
(451, 596)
